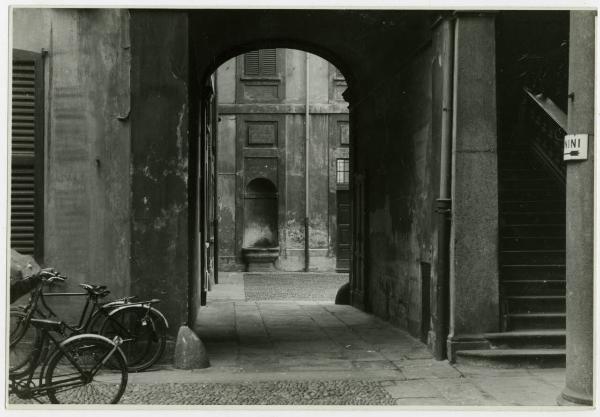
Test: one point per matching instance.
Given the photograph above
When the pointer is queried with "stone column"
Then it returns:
(580, 215)
(474, 233)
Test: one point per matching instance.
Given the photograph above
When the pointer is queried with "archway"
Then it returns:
(261, 136)
(375, 87)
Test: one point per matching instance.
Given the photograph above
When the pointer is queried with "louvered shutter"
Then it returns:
(268, 62)
(26, 150)
(261, 63)
(251, 63)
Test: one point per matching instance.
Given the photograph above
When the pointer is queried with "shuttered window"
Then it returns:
(27, 153)
(261, 63)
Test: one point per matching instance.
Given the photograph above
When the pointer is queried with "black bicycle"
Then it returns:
(80, 369)
(141, 327)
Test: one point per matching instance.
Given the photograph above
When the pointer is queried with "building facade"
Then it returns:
(262, 163)
(466, 229)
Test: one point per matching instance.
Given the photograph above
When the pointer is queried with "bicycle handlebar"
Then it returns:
(49, 276)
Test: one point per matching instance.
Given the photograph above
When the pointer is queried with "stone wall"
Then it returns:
(399, 193)
(87, 135)
(161, 194)
(236, 162)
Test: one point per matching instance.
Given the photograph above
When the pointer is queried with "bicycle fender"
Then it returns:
(152, 311)
(70, 340)
(88, 336)
(112, 304)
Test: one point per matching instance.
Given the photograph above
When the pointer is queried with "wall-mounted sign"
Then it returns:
(576, 147)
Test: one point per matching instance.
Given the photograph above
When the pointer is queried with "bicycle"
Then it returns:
(82, 369)
(140, 325)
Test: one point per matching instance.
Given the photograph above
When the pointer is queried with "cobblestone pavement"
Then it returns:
(319, 353)
(293, 286)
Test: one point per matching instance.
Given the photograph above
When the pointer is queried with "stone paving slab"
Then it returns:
(518, 390)
(318, 353)
(307, 339)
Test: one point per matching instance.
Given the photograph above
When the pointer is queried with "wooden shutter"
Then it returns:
(27, 153)
(268, 62)
(251, 63)
(261, 63)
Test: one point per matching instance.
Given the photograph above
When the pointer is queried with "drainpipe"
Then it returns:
(444, 202)
(306, 167)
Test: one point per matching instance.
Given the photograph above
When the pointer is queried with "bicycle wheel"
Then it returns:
(144, 336)
(24, 343)
(100, 381)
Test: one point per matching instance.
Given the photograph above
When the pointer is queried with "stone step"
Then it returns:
(532, 205)
(531, 321)
(528, 339)
(522, 230)
(533, 217)
(513, 358)
(524, 162)
(530, 193)
(526, 181)
(532, 257)
(520, 173)
(547, 272)
(516, 153)
(532, 243)
(534, 287)
(535, 303)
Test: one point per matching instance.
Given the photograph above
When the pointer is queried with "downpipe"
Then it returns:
(444, 202)
(306, 168)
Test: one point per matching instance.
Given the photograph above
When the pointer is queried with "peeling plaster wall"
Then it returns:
(159, 117)
(87, 184)
(400, 193)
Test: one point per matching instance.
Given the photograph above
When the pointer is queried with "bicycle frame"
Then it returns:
(23, 386)
(106, 309)
(83, 322)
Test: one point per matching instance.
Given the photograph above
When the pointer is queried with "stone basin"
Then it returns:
(260, 259)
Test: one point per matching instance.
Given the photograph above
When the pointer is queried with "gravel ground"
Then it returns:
(345, 392)
(300, 286)
(342, 392)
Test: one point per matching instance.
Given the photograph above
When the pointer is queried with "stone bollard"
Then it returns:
(190, 352)
(343, 295)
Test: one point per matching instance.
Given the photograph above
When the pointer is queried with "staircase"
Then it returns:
(532, 263)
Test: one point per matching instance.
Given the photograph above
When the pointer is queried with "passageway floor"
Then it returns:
(285, 352)
(312, 352)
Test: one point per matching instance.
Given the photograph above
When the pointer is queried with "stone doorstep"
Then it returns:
(463, 392)
(429, 372)
(518, 390)
(374, 364)
(412, 389)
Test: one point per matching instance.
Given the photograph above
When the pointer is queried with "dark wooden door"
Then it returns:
(344, 238)
(357, 275)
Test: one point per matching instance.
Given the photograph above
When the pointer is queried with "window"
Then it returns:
(260, 76)
(27, 160)
(344, 134)
(343, 171)
(261, 63)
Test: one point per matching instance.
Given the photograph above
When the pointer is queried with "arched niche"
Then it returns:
(260, 214)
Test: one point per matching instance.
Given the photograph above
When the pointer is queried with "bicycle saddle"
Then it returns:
(99, 290)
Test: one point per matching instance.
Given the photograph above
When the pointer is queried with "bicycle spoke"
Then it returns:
(97, 383)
